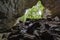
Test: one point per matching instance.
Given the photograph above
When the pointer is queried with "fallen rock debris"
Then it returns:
(42, 29)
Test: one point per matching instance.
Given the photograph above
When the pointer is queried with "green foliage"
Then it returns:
(36, 12)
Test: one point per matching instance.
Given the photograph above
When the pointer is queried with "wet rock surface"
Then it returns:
(42, 29)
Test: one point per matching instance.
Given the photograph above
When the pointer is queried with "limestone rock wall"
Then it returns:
(53, 6)
(10, 10)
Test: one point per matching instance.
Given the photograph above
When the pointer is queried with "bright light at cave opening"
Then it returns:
(39, 12)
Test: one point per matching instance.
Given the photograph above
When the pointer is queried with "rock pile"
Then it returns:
(42, 29)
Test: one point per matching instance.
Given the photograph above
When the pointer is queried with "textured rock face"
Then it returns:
(10, 10)
(53, 6)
